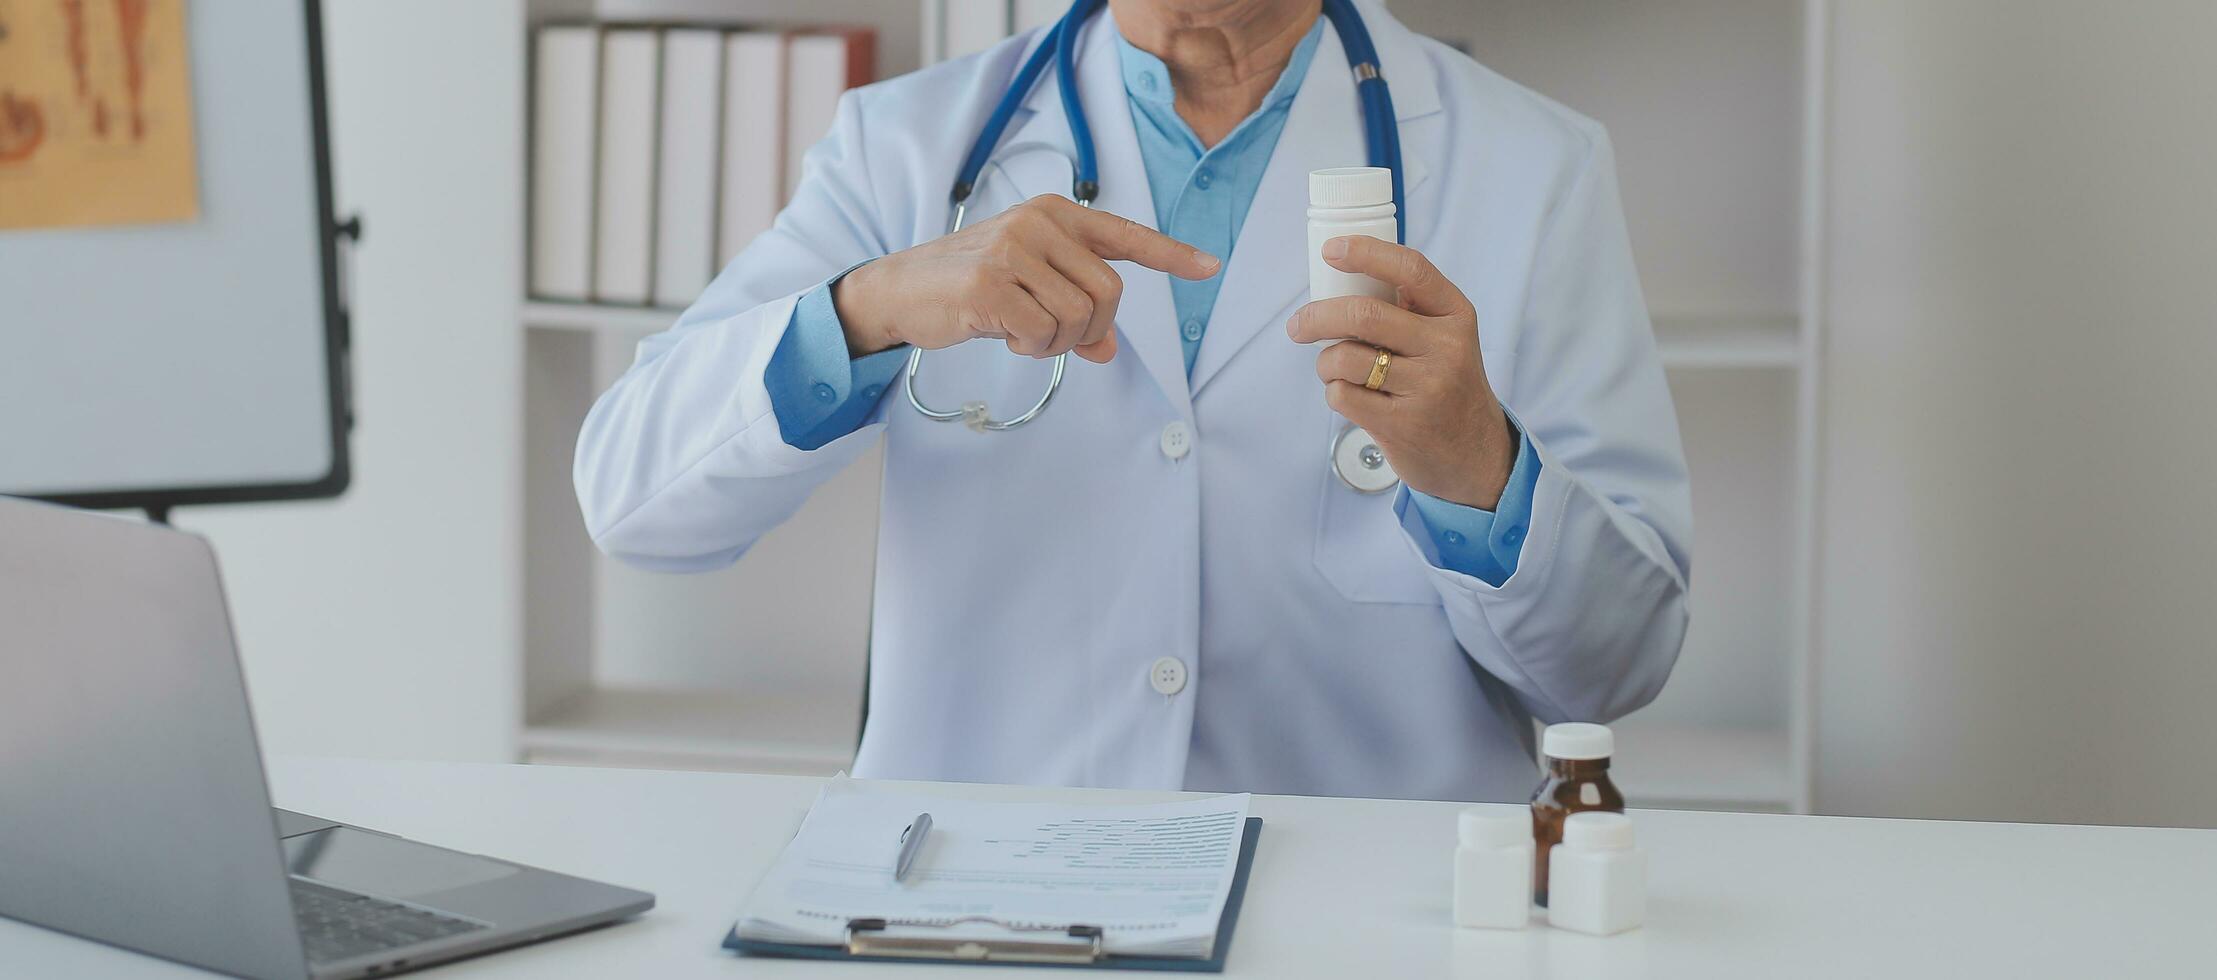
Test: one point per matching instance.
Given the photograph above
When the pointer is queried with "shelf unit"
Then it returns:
(784, 732)
(1702, 342)
(1704, 767)
(712, 671)
(1717, 111)
(633, 321)
(1716, 108)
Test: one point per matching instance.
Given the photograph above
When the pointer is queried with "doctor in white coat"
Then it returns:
(1161, 581)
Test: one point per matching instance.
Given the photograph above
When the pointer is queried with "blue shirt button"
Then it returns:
(1147, 81)
(826, 393)
(1193, 328)
(873, 391)
(1454, 538)
(1513, 536)
(1203, 179)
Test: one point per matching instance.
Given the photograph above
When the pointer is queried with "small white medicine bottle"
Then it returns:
(1493, 869)
(1597, 877)
(1348, 201)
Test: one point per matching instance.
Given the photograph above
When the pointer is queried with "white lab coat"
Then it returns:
(1029, 581)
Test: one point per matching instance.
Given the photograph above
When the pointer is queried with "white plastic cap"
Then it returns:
(1482, 827)
(1350, 187)
(1597, 830)
(1578, 740)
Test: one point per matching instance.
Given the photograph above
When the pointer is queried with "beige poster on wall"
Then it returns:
(95, 114)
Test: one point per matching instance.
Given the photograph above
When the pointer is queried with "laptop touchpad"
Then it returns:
(385, 867)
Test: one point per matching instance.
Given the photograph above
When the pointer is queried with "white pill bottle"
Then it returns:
(1493, 869)
(1348, 201)
(1597, 876)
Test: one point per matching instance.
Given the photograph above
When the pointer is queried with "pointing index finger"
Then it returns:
(1112, 237)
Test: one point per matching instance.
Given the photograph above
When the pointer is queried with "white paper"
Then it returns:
(1154, 876)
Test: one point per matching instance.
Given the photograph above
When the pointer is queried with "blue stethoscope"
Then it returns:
(1381, 144)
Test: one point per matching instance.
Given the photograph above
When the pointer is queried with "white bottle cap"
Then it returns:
(1483, 827)
(1350, 187)
(1577, 740)
(1597, 830)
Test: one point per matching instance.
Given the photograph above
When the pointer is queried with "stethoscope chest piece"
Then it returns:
(1360, 463)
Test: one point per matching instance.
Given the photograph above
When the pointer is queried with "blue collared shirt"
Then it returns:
(1202, 192)
(1201, 196)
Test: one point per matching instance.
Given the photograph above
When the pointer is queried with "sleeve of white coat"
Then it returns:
(1588, 626)
(680, 465)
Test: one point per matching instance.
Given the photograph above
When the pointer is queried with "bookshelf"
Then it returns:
(622, 667)
(1717, 111)
(784, 732)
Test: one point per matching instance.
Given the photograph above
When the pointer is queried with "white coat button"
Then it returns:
(1177, 440)
(1167, 675)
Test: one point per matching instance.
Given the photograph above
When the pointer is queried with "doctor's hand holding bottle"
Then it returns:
(1433, 414)
(1036, 276)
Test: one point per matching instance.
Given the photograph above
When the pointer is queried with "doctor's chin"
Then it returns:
(1283, 488)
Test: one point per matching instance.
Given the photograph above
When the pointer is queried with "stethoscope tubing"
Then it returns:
(1382, 137)
(974, 414)
(1087, 183)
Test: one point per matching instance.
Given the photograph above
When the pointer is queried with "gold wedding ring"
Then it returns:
(1378, 371)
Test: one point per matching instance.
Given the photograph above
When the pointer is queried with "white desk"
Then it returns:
(1341, 888)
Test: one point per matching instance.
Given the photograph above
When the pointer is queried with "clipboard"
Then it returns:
(1075, 945)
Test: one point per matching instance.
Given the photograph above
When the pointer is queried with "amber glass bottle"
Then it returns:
(1577, 779)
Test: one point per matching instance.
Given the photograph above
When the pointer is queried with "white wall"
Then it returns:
(387, 622)
(2020, 544)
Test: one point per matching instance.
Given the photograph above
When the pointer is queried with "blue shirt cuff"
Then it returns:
(817, 392)
(1482, 544)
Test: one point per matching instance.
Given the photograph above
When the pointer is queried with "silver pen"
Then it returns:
(912, 842)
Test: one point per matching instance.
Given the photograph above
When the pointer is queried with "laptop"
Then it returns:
(133, 807)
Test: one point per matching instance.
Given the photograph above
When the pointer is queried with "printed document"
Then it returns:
(1153, 876)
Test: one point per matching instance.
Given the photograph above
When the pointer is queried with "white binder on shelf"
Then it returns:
(623, 260)
(564, 96)
(821, 64)
(753, 187)
(685, 185)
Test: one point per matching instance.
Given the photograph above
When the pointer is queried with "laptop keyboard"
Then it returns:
(339, 925)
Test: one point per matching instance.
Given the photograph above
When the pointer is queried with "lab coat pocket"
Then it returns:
(1361, 546)
(1358, 543)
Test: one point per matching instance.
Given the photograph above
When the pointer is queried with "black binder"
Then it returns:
(1075, 945)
